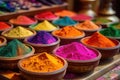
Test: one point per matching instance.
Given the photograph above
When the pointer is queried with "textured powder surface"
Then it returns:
(101, 20)
(3, 26)
(76, 51)
(14, 48)
(18, 32)
(42, 37)
(42, 62)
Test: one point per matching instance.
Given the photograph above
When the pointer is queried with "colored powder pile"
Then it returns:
(69, 31)
(111, 32)
(76, 51)
(42, 62)
(22, 20)
(14, 48)
(87, 25)
(99, 40)
(46, 16)
(45, 25)
(3, 26)
(64, 13)
(42, 37)
(65, 21)
(19, 32)
(101, 20)
(81, 17)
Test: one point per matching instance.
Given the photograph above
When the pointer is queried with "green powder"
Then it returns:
(101, 20)
(14, 48)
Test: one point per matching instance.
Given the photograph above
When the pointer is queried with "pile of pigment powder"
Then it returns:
(111, 32)
(46, 16)
(87, 25)
(14, 48)
(65, 21)
(99, 40)
(64, 13)
(44, 26)
(81, 17)
(101, 20)
(42, 62)
(18, 32)
(4, 25)
(22, 20)
(68, 31)
(42, 37)
(76, 51)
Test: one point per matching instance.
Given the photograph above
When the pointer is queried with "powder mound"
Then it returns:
(76, 51)
(42, 37)
(42, 62)
(87, 25)
(68, 31)
(18, 32)
(99, 40)
(65, 21)
(45, 25)
(3, 26)
(22, 20)
(101, 20)
(14, 48)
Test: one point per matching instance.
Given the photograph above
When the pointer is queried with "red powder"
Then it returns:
(3, 26)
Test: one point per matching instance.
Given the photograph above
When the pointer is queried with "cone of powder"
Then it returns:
(4, 26)
(65, 21)
(75, 51)
(44, 26)
(99, 40)
(18, 32)
(14, 48)
(42, 37)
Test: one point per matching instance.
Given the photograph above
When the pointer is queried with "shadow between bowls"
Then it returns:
(11, 62)
(82, 66)
(54, 75)
(107, 53)
(43, 47)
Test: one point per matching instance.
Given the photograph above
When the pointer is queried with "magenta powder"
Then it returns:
(76, 51)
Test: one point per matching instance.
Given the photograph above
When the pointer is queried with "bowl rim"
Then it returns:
(81, 61)
(19, 57)
(44, 73)
(107, 48)
(6, 31)
(81, 36)
(4, 41)
(42, 45)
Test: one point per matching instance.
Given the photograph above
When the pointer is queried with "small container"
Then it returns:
(11, 62)
(4, 41)
(107, 53)
(54, 75)
(67, 40)
(44, 47)
(82, 66)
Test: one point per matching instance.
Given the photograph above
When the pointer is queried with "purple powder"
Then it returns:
(76, 51)
(42, 37)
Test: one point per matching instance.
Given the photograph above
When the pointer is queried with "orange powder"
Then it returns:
(43, 62)
(64, 13)
(68, 31)
(87, 25)
(98, 40)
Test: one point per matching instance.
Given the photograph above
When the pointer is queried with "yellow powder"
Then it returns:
(18, 32)
(87, 25)
(43, 62)
(45, 25)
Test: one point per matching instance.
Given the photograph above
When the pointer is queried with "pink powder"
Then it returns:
(76, 51)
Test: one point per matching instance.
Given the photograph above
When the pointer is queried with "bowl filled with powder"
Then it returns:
(23, 21)
(81, 59)
(43, 66)
(12, 52)
(68, 34)
(107, 46)
(3, 41)
(88, 27)
(43, 42)
(44, 26)
(18, 32)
